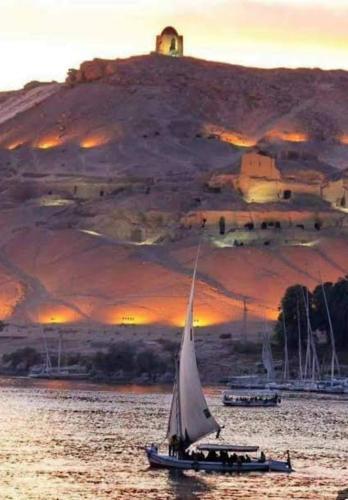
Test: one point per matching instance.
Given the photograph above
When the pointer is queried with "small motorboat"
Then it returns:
(254, 401)
(190, 420)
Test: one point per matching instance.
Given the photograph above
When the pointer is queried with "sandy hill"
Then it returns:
(108, 177)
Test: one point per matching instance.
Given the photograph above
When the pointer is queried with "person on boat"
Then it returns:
(211, 456)
(224, 456)
(173, 445)
(247, 459)
(262, 457)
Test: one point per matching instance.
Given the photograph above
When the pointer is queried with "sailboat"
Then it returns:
(190, 420)
(267, 356)
(58, 372)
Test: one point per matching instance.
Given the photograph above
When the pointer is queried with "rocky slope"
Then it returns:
(106, 179)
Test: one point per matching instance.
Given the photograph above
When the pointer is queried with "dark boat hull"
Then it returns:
(247, 404)
(167, 462)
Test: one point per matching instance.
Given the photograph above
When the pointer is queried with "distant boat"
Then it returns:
(267, 356)
(190, 420)
(254, 401)
(59, 372)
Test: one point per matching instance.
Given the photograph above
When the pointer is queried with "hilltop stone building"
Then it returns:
(170, 43)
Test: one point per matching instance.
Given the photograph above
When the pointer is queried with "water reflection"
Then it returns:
(72, 440)
(185, 486)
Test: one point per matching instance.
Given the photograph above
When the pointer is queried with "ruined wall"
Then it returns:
(237, 219)
(260, 181)
(259, 166)
(336, 193)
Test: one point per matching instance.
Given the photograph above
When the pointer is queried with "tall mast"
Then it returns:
(299, 340)
(307, 367)
(267, 357)
(286, 354)
(334, 359)
(48, 364)
(190, 418)
(59, 351)
(245, 320)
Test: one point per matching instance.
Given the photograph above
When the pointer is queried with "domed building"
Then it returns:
(170, 43)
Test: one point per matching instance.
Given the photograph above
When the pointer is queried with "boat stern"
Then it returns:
(279, 466)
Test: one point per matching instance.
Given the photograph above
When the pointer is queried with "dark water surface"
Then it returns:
(71, 440)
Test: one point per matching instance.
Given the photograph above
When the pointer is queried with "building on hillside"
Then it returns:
(170, 43)
(336, 193)
(261, 180)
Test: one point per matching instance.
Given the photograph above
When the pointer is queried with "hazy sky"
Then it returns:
(41, 39)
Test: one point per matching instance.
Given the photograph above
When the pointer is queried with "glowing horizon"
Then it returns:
(42, 39)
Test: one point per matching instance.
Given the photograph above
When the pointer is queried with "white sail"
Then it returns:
(190, 418)
(286, 353)
(267, 358)
(334, 358)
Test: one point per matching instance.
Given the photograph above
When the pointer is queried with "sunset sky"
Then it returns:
(41, 39)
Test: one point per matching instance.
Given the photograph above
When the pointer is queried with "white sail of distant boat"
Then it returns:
(286, 353)
(308, 358)
(312, 368)
(334, 358)
(267, 357)
(300, 370)
(48, 363)
(190, 418)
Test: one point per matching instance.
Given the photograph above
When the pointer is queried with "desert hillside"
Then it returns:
(108, 178)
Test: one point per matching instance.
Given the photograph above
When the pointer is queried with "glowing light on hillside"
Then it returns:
(55, 315)
(6, 311)
(271, 314)
(94, 141)
(262, 192)
(287, 136)
(127, 315)
(309, 244)
(344, 139)
(14, 145)
(237, 140)
(90, 232)
(229, 136)
(48, 143)
(203, 318)
(47, 201)
(132, 319)
(198, 322)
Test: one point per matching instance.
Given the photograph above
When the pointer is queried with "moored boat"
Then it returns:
(254, 401)
(190, 420)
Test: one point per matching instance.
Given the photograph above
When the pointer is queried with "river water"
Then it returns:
(72, 440)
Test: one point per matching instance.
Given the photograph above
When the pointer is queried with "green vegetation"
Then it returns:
(151, 364)
(294, 310)
(124, 357)
(22, 359)
(120, 356)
